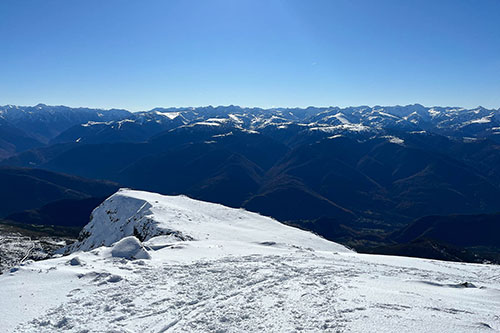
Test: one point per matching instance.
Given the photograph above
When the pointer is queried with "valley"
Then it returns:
(354, 175)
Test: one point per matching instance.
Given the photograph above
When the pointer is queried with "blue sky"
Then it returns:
(142, 54)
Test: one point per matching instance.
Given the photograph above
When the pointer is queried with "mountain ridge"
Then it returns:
(178, 264)
(345, 172)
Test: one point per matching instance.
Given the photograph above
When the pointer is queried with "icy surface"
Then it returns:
(241, 272)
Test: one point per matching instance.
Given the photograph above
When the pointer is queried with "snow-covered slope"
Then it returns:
(179, 218)
(218, 269)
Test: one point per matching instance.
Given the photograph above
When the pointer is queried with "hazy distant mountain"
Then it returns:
(14, 140)
(63, 124)
(383, 163)
(448, 121)
(332, 170)
(458, 230)
(41, 123)
(470, 238)
(137, 127)
(65, 212)
(23, 189)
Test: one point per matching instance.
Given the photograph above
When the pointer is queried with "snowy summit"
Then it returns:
(154, 263)
(156, 218)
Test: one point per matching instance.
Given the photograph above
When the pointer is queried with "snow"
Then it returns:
(222, 135)
(205, 123)
(92, 123)
(16, 249)
(343, 127)
(217, 120)
(483, 120)
(75, 261)
(146, 215)
(434, 113)
(238, 272)
(394, 139)
(129, 248)
(271, 121)
(235, 118)
(385, 114)
(170, 115)
(340, 117)
(121, 122)
(250, 131)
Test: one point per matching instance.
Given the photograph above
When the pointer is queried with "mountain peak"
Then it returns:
(180, 218)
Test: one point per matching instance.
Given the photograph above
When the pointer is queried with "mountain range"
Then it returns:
(354, 173)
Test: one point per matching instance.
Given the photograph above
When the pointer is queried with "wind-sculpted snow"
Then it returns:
(239, 272)
(129, 248)
(145, 215)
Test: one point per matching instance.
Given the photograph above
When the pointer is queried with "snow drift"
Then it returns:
(129, 248)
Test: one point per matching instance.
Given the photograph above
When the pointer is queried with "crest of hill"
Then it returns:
(179, 218)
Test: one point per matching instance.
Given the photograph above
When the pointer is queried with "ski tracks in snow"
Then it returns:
(300, 291)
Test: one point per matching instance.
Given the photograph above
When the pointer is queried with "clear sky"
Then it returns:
(142, 54)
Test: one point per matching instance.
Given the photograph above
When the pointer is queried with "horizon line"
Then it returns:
(244, 107)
